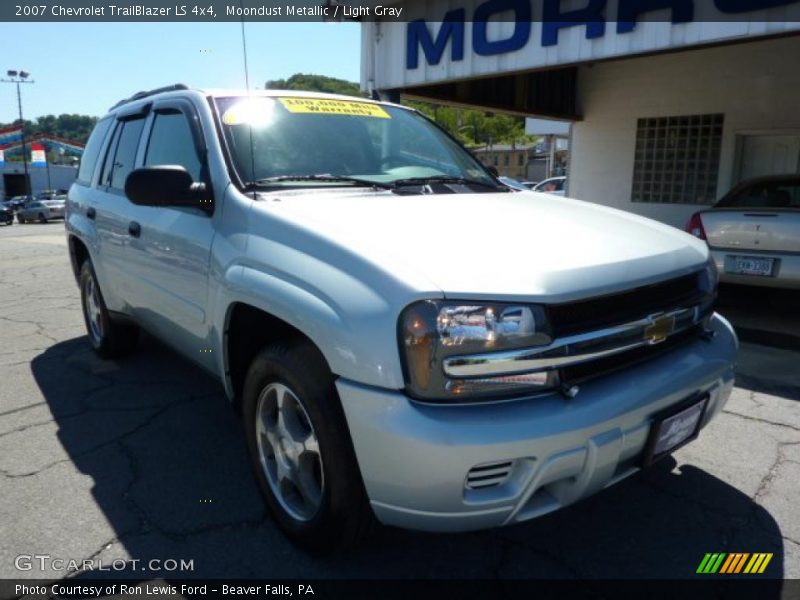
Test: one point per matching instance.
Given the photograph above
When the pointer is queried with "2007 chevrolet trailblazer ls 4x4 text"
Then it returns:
(404, 336)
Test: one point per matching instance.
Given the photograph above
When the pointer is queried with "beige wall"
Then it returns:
(756, 85)
(514, 169)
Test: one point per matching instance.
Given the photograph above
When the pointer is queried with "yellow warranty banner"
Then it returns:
(326, 106)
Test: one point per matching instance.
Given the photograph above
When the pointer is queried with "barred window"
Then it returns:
(677, 159)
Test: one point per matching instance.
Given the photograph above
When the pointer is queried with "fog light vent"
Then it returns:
(488, 475)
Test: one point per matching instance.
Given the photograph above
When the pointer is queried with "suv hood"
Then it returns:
(521, 245)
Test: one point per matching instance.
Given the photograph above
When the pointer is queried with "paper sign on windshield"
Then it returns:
(333, 107)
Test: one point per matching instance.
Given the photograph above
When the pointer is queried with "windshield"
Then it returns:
(297, 142)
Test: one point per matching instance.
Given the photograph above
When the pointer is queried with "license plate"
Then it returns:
(749, 265)
(671, 431)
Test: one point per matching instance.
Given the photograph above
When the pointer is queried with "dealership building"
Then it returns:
(668, 108)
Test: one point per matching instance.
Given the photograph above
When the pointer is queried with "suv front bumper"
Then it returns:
(415, 458)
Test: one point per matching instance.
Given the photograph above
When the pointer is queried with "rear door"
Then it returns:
(112, 211)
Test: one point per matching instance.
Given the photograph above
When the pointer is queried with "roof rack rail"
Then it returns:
(144, 94)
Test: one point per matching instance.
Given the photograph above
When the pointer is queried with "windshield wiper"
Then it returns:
(444, 179)
(326, 177)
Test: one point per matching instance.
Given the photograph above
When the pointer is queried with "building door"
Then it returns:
(768, 155)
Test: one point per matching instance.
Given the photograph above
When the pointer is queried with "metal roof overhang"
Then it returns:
(548, 93)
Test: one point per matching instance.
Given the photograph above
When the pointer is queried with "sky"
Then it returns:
(85, 68)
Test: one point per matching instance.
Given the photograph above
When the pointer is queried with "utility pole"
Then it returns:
(21, 77)
(47, 167)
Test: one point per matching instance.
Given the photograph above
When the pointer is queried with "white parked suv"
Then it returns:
(406, 338)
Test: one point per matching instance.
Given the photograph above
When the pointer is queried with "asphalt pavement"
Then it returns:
(142, 459)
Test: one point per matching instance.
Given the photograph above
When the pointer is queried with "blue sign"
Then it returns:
(592, 17)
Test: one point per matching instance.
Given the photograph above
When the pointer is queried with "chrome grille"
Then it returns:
(575, 349)
(599, 312)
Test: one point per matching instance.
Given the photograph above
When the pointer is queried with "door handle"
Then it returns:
(134, 229)
(91, 213)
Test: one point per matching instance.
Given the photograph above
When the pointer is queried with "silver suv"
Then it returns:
(406, 338)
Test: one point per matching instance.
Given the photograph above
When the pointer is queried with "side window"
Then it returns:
(171, 143)
(92, 151)
(122, 153)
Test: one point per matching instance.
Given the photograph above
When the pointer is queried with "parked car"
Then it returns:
(404, 338)
(754, 232)
(515, 185)
(553, 185)
(530, 184)
(46, 195)
(6, 215)
(16, 202)
(41, 210)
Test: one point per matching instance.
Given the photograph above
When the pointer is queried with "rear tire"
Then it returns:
(300, 449)
(109, 338)
(21, 219)
(42, 218)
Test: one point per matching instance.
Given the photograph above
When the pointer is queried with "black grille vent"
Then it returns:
(488, 475)
(604, 311)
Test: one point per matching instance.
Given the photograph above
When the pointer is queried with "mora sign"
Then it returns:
(593, 17)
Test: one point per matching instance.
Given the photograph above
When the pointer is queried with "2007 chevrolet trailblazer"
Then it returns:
(406, 338)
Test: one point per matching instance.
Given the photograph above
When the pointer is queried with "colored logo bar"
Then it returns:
(734, 563)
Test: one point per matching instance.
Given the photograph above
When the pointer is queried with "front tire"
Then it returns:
(42, 218)
(300, 449)
(21, 219)
(109, 338)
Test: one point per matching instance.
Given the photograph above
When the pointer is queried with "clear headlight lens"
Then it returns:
(431, 331)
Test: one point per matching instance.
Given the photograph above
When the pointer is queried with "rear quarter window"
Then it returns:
(766, 194)
(121, 153)
(92, 151)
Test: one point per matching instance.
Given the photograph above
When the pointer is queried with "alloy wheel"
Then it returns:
(92, 310)
(289, 452)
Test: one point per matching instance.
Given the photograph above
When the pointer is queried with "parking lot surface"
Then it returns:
(143, 459)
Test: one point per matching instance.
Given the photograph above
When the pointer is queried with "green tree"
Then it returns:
(316, 83)
(72, 127)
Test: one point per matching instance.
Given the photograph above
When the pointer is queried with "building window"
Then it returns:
(495, 160)
(521, 159)
(505, 160)
(677, 159)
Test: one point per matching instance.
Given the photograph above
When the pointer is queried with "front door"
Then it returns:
(172, 248)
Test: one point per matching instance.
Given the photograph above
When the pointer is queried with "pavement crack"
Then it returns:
(760, 420)
(146, 423)
(780, 459)
(148, 524)
(21, 408)
(792, 540)
(509, 543)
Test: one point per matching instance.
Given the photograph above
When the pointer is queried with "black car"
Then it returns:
(16, 202)
(6, 215)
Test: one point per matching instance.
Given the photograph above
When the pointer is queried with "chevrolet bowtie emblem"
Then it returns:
(661, 326)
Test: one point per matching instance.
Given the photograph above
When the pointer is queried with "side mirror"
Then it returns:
(167, 185)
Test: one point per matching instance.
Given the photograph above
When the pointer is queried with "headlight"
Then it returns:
(431, 331)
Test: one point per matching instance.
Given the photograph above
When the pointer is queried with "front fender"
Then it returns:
(354, 328)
